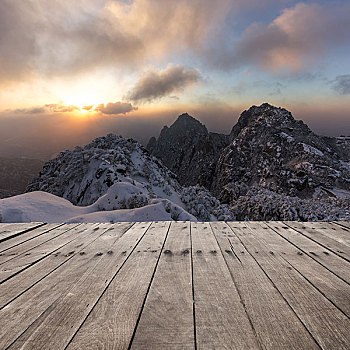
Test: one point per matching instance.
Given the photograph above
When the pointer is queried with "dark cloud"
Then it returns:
(115, 108)
(293, 41)
(341, 84)
(156, 84)
(88, 108)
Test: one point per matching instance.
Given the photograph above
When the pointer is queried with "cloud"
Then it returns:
(17, 44)
(63, 38)
(115, 108)
(48, 108)
(341, 84)
(157, 84)
(59, 108)
(32, 110)
(292, 42)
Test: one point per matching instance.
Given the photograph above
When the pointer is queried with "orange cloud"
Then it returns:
(115, 108)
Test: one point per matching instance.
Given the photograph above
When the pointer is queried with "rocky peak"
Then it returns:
(270, 149)
(189, 150)
(185, 125)
(265, 115)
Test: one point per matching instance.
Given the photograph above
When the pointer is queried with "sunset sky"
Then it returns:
(74, 70)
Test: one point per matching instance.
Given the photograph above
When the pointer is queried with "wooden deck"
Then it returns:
(178, 285)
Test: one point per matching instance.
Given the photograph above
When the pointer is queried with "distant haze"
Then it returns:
(34, 137)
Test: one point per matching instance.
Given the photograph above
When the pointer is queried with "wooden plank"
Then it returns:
(15, 241)
(17, 285)
(167, 318)
(24, 260)
(28, 246)
(336, 232)
(22, 312)
(112, 321)
(322, 237)
(221, 321)
(332, 287)
(327, 324)
(275, 323)
(339, 232)
(58, 323)
(343, 223)
(8, 231)
(324, 256)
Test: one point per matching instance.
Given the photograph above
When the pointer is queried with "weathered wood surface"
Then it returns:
(275, 323)
(8, 231)
(175, 285)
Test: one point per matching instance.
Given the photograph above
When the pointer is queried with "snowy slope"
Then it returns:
(46, 207)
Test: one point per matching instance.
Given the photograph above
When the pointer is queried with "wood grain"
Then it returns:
(17, 285)
(214, 294)
(324, 256)
(15, 241)
(8, 231)
(167, 318)
(27, 246)
(332, 287)
(60, 321)
(329, 237)
(275, 323)
(161, 285)
(27, 259)
(111, 323)
(327, 324)
(343, 223)
(17, 316)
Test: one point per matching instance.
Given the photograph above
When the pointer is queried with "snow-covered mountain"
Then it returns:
(268, 159)
(113, 179)
(270, 167)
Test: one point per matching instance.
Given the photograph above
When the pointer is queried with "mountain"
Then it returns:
(117, 175)
(189, 150)
(272, 150)
(270, 166)
(16, 173)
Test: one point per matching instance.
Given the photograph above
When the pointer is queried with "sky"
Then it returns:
(74, 70)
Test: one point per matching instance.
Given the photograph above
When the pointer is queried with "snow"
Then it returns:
(287, 137)
(340, 193)
(262, 204)
(312, 150)
(345, 165)
(38, 206)
(45, 207)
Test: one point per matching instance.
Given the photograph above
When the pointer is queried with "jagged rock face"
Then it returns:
(189, 150)
(270, 149)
